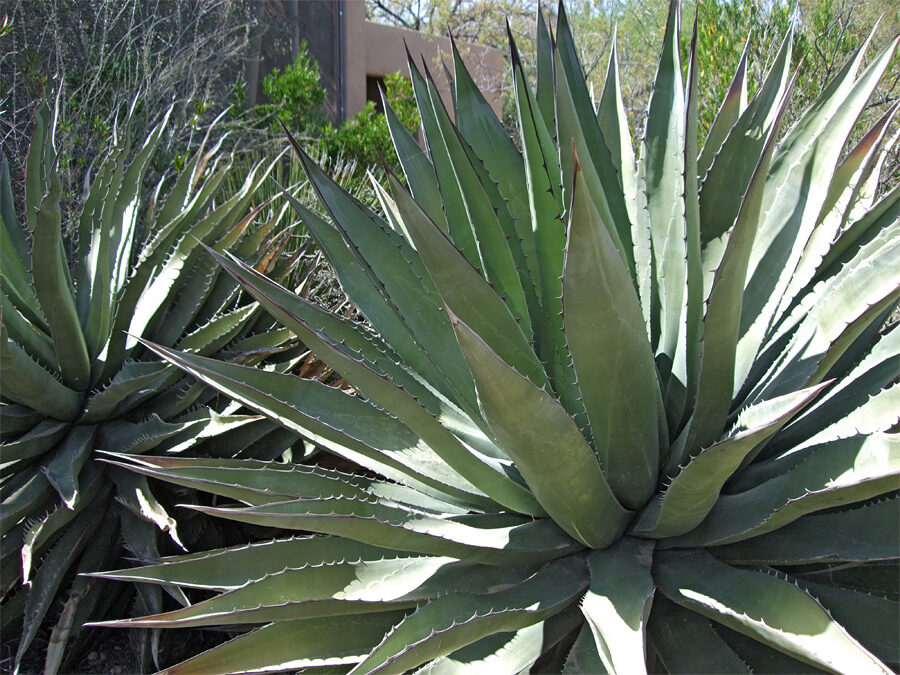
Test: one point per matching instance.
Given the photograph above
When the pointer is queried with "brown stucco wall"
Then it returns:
(372, 49)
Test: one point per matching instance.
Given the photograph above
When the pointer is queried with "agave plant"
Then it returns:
(75, 378)
(616, 415)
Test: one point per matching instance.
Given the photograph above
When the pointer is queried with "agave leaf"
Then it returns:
(54, 290)
(253, 348)
(152, 399)
(252, 485)
(843, 194)
(363, 344)
(453, 621)
(872, 619)
(139, 534)
(389, 207)
(339, 588)
(617, 604)
(261, 482)
(487, 138)
(357, 340)
(871, 375)
(575, 108)
(38, 440)
(549, 233)
(827, 324)
(486, 473)
(158, 293)
(129, 379)
(106, 234)
(494, 539)
(17, 419)
(261, 439)
(37, 181)
(40, 532)
(816, 478)
(731, 165)
(11, 575)
(345, 424)
(560, 632)
(227, 569)
(383, 314)
(614, 128)
(530, 425)
(873, 578)
(859, 233)
(52, 571)
(569, 126)
(205, 296)
(10, 222)
(204, 423)
(454, 209)
(479, 125)
(765, 607)
(417, 168)
(188, 293)
(154, 258)
(262, 240)
(686, 642)
(133, 492)
(65, 464)
(663, 162)
(15, 280)
(682, 388)
(497, 262)
(847, 341)
(759, 657)
(127, 199)
(465, 291)
(546, 83)
(611, 354)
(542, 160)
(36, 343)
(292, 645)
(26, 382)
(140, 540)
(695, 489)
(733, 106)
(511, 236)
(26, 493)
(513, 652)
(218, 332)
(864, 196)
(82, 593)
(508, 652)
(189, 183)
(138, 437)
(794, 196)
(880, 412)
(584, 656)
(865, 533)
(401, 277)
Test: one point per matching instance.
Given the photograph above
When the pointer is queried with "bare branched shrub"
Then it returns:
(101, 57)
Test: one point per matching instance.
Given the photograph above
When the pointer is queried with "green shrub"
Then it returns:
(298, 98)
(296, 94)
(366, 137)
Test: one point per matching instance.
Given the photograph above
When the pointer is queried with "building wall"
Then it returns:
(376, 50)
(350, 50)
